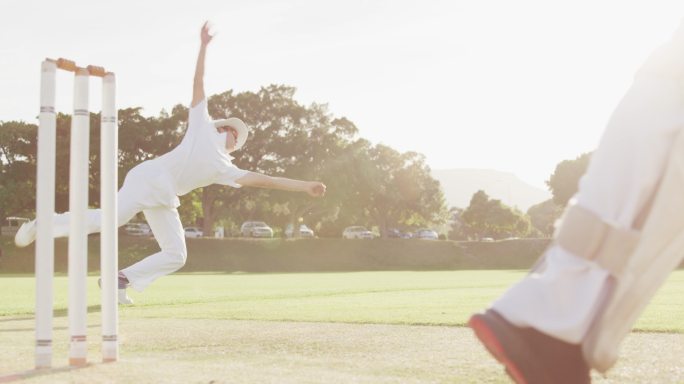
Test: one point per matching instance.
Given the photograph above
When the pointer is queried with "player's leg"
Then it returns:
(168, 231)
(127, 207)
(562, 297)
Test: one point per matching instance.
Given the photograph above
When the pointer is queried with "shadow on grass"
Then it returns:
(62, 312)
(42, 372)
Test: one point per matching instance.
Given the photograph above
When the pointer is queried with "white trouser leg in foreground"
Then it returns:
(563, 297)
(658, 252)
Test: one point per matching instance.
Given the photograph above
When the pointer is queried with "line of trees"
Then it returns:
(372, 185)
(487, 217)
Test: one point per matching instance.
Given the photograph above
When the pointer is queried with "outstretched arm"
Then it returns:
(198, 85)
(253, 179)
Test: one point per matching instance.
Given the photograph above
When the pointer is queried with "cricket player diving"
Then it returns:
(152, 187)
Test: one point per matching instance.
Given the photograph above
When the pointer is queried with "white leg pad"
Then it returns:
(639, 261)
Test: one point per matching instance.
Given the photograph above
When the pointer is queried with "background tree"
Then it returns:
(457, 226)
(17, 168)
(544, 215)
(351, 188)
(404, 192)
(564, 181)
(487, 217)
(286, 139)
(367, 184)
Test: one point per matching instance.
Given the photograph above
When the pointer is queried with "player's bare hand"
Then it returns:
(205, 34)
(316, 189)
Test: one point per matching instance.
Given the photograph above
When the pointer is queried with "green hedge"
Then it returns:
(302, 255)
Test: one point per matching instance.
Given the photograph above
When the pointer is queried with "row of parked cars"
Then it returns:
(142, 229)
(262, 230)
(248, 229)
(359, 232)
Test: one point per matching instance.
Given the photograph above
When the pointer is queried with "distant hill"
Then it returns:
(459, 185)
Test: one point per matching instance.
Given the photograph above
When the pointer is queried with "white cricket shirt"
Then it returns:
(199, 160)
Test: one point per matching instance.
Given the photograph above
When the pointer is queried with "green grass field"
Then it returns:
(415, 311)
(411, 298)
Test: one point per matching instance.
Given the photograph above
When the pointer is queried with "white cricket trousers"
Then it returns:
(164, 223)
(622, 176)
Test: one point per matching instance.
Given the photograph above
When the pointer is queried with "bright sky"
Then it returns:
(515, 86)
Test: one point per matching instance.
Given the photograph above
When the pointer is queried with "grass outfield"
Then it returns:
(411, 298)
(312, 327)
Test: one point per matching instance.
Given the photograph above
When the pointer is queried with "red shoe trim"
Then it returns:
(490, 341)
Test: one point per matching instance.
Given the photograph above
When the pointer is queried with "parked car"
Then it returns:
(357, 232)
(12, 225)
(487, 239)
(394, 233)
(304, 231)
(138, 229)
(256, 229)
(193, 232)
(427, 234)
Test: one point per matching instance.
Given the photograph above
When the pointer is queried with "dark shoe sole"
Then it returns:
(486, 335)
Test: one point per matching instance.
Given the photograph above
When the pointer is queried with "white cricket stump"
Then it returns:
(78, 206)
(45, 207)
(109, 265)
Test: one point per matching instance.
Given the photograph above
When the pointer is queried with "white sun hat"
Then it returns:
(239, 126)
